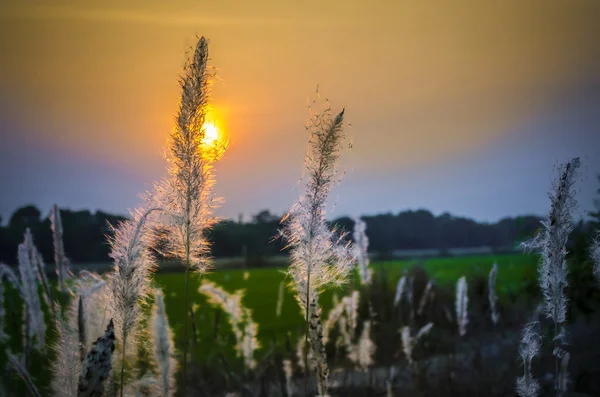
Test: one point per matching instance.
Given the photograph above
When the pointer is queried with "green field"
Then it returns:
(262, 287)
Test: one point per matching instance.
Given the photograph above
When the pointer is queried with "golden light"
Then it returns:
(211, 133)
(215, 141)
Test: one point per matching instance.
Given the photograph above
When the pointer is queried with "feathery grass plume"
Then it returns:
(97, 364)
(288, 371)
(130, 278)
(163, 346)
(345, 330)
(530, 345)
(425, 297)
(59, 249)
(244, 328)
(318, 256)
(34, 316)
(229, 303)
(22, 371)
(280, 296)
(362, 352)
(338, 310)
(461, 308)
(406, 343)
(552, 245)
(492, 294)
(348, 322)
(67, 365)
(7, 273)
(186, 197)
(345, 314)
(595, 253)
(409, 342)
(399, 290)
(352, 309)
(250, 341)
(361, 242)
(40, 267)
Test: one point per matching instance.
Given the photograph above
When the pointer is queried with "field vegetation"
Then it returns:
(330, 323)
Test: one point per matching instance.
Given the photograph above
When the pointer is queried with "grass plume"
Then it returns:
(529, 348)
(239, 317)
(462, 301)
(492, 298)
(60, 259)
(186, 196)
(130, 279)
(551, 243)
(164, 350)
(361, 244)
(318, 257)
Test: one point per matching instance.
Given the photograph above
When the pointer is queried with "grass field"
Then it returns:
(262, 286)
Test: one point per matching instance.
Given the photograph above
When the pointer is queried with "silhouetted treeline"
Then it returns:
(85, 234)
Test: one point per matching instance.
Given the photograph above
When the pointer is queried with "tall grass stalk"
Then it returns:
(361, 353)
(409, 342)
(40, 267)
(34, 323)
(59, 250)
(361, 242)
(162, 336)
(425, 297)
(492, 298)
(318, 256)
(186, 196)
(399, 290)
(529, 348)
(67, 363)
(462, 301)
(7, 273)
(130, 278)
(239, 317)
(551, 243)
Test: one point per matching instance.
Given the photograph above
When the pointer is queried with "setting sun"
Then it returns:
(211, 133)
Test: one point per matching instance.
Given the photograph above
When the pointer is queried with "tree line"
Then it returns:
(85, 233)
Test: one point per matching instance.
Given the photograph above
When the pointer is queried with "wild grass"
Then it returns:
(392, 325)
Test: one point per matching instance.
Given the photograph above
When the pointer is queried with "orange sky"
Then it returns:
(427, 87)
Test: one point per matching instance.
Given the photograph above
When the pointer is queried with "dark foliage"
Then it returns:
(85, 234)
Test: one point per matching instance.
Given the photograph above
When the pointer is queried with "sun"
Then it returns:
(211, 133)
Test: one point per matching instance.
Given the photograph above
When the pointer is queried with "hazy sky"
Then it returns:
(459, 106)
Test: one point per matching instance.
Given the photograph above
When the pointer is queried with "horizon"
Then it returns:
(247, 218)
(464, 110)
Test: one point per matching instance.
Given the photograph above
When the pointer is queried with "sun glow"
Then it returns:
(215, 141)
(211, 133)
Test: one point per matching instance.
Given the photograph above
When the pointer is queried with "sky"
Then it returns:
(459, 106)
